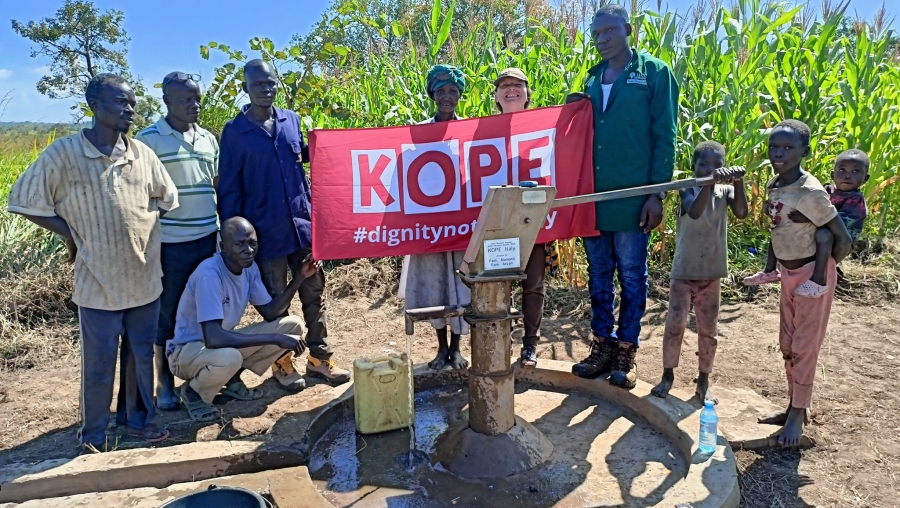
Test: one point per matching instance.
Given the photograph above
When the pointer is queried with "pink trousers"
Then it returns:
(706, 296)
(804, 322)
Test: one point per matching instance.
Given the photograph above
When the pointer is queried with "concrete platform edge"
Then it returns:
(710, 481)
(148, 467)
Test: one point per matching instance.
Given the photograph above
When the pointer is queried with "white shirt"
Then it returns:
(213, 293)
(192, 164)
(606, 91)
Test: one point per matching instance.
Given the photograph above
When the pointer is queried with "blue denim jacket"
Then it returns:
(261, 178)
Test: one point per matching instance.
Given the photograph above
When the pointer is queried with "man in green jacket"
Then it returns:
(635, 102)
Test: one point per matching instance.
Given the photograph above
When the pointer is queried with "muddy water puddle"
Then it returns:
(603, 456)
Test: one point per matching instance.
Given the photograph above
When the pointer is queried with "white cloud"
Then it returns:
(41, 70)
(29, 105)
(5, 73)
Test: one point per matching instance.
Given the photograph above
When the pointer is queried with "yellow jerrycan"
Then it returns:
(382, 400)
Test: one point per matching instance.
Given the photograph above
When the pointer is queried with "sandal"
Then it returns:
(528, 357)
(760, 278)
(240, 391)
(810, 289)
(199, 411)
(151, 433)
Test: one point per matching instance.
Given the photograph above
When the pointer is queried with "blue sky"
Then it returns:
(166, 39)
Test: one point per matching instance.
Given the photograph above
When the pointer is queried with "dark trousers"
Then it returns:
(179, 260)
(274, 277)
(100, 333)
(533, 295)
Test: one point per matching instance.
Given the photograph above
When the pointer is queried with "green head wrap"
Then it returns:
(440, 75)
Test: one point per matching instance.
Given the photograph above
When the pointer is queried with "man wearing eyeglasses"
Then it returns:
(191, 156)
(263, 180)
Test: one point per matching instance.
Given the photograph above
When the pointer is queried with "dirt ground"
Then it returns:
(855, 462)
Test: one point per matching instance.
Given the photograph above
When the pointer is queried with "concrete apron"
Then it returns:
(710, 481)
(494, 442)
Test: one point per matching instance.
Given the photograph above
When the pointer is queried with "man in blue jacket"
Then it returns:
(261, 178)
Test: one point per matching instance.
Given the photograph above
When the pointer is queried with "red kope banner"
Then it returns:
(417, 189)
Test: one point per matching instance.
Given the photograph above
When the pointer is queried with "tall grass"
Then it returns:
(34, 321)
(741, 69)
(23, 245)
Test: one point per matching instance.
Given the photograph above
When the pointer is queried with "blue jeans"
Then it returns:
(625, 252)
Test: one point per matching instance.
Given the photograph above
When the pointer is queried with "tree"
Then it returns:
(366, 29)
(81, 42)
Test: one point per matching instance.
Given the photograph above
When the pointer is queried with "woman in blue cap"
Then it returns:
(430, 280)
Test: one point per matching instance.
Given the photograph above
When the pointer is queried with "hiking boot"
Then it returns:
(624, 370)
(598, 362)
(528, 357)
(327, 370)
(166, 398)
(286, 375)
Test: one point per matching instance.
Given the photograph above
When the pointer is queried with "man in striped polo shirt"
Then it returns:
(190, 155)
(104, 193)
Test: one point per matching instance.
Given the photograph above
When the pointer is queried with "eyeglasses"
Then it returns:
(178, 77)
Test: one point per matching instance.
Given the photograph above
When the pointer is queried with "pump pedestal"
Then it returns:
(494, 443)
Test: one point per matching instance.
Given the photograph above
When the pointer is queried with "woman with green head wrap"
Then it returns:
(445, 84)
(429, 280)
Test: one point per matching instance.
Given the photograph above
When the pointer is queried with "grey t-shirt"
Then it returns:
(213, 293)
(701, 246)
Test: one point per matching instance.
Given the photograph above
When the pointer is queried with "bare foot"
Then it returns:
(704, 392)
(780, 417)
(457, 361)
(189, 394)
(440, 361)
(706, 395)
(662, 389)
(793, 428)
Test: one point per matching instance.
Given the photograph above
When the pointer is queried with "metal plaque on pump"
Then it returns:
(508, 225)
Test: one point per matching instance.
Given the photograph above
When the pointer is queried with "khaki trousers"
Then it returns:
(207, 369)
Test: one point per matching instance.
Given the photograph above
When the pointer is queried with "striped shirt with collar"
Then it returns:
(192, 164)
(112, 208)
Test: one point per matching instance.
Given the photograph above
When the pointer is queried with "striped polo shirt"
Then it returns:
(192, 164)
(112, 209)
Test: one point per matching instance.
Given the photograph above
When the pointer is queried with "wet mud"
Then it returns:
(603, 456)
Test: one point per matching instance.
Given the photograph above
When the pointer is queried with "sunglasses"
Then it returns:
(179, 77)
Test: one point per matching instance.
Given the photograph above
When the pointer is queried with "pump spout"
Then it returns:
(426, 313)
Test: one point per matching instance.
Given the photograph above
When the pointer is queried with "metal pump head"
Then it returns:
(508, 225)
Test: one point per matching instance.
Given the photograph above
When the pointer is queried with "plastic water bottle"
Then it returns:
(708, 431)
